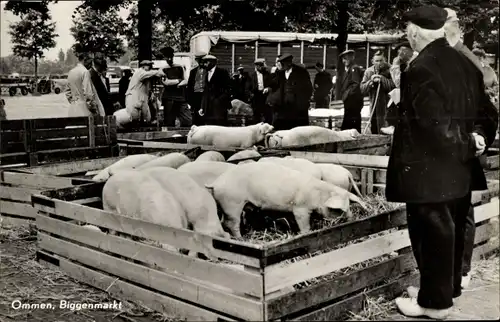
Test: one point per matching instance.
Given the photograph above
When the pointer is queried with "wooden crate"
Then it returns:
(37, 141)
(491, 160)
(260, 287)
(363, 144)
(160, 136)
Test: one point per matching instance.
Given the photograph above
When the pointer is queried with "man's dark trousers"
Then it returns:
(260, 109)
(470, 235)
(437, 233)
(352, 114)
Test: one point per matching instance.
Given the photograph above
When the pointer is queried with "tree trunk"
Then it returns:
(145, 28)
(342, 20)
(35, 90)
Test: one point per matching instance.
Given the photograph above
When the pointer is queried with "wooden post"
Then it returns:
(389, 54)
(233, 51)
(324, 56)
(256, 49)
(367, 54)
(302, 52)
(279, 48)
(91, 122)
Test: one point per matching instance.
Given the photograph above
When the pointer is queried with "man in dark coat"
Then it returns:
(123, 86)
(196, 87)
(216, 97)
(295, 90)
(350, 92)
(377, 83)
(443, 126)
(240, 85)
(101, 83)
(259, 87)
(322, 86)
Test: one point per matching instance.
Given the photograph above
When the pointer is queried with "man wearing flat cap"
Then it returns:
(216, 101)
(259, 88)
(139, 89)
(453, 35)
(350, 92)
(196, 87)
(322, 86)
(442, 129)
(241, 84)
(295, 89)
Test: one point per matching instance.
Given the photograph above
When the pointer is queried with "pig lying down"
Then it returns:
(307, 135)
(271, 186)
(227, 137)
(128, 162)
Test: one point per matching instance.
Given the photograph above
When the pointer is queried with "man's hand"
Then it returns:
(480, 144)
(375, 78)
(266, 90)
(316, 85)
(200, 112)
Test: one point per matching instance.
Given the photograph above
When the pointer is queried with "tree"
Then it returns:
(98, 31)
(71, 59)
(33, 35)
(61, 56)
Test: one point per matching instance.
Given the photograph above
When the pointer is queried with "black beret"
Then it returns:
(427, 17)
(285, 56)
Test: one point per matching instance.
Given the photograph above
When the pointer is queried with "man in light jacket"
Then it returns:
(80, 92)
(137, 95)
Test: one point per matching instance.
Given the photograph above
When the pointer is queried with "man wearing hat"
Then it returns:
(350, 92)
(377, 82)
(139, 90)
(442, 128)
(173, 96)
(260, 80)
(241, 84)
(322, 86)
(216, 101)
(196, 87)
(295, 90)
(398, 67)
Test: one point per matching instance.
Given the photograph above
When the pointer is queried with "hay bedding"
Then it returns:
(24, 279)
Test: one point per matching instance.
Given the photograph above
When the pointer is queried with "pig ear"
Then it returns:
(338, 202)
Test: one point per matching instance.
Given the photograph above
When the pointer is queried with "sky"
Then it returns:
(61, 15)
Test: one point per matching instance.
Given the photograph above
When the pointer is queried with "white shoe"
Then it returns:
(387, 130)
(410, 308)
(466, 280)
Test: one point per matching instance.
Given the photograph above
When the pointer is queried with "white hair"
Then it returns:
(420, 37)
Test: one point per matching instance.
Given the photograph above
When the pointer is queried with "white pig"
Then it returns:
(339, 176)
(205, 172)
(245, 154)
(92, 227)
(271, 186)
(226, 137)
(302, 165)
(211, 156)
(135, 194)
(171, 160)
(197, 202)
(128, 162)
(304, 135)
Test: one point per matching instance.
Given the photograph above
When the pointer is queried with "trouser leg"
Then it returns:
(460, 211)
(184, 114)
(432, 230)
(470, 235)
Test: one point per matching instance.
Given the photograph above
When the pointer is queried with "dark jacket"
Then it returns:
(190, 87)
(216, 97)
(240, 85)
(350, 83)
(253, 85)
(433, 152)
(102, 91)
(323, 80)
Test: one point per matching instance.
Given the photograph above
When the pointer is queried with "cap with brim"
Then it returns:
(199, 55)
(346, 52)
(209, 57)
(240, 67)
(146, 63)
(285, 57)
(427, 17)
(260, 61)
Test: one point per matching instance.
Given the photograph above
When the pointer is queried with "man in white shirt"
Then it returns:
(259, 89)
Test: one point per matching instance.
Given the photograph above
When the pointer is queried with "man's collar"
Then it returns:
(212, 69)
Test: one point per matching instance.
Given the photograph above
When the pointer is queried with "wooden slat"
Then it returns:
(327, 238)
(87, 201)
(80, 166)
(147, 136)
(373, 161)
(11, 136)
(36, 180)
(13, 158)
(7, 221)
(279, 275)
(486, 232)
(17, 193)
(487, 211)
(179, 238)
(133, 293)
(17, 208)
(230, 304)
(72, 154)
(492, 162)
(336, 311)
(39, 134)
(481, 251)
(11, 147)
(12, 125)
(327, 291)
(191, 268)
